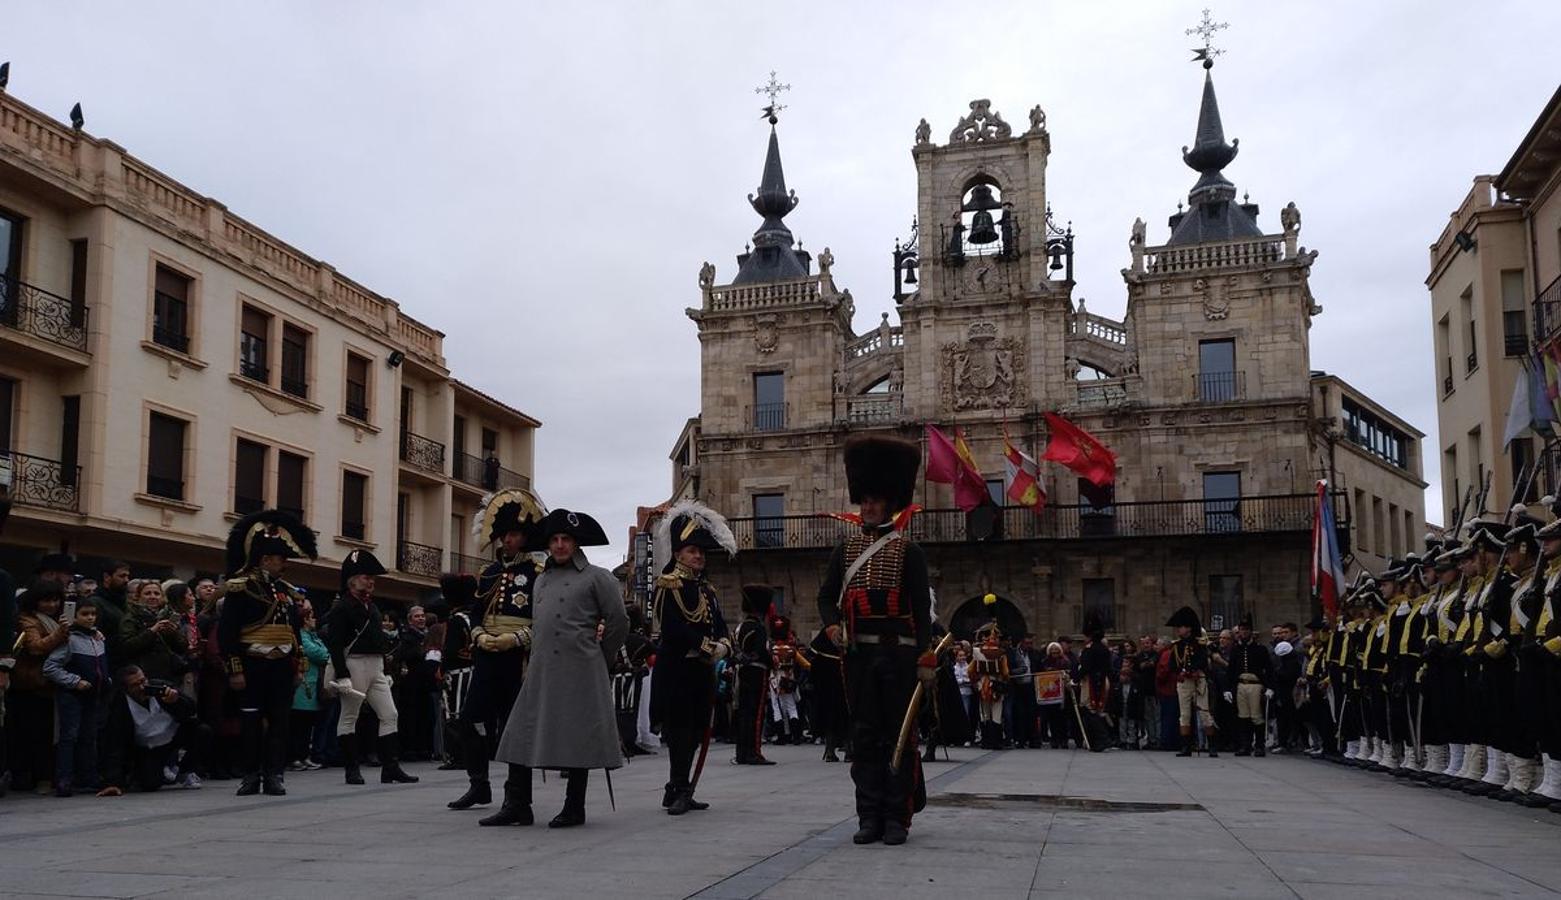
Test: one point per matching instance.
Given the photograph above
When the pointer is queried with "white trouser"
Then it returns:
(369, 678)
(783, 706)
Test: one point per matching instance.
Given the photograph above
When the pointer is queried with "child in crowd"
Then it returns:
(78, 669)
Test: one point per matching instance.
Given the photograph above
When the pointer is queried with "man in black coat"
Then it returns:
(1249, 687)
(753, 662)
(693, 637)
(146, 727)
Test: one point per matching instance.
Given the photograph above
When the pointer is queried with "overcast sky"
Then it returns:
(542, 181)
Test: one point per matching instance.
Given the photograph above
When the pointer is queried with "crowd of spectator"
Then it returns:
(117, 683)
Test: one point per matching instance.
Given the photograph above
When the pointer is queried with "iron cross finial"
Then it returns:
(1206, 30)
(773, 89)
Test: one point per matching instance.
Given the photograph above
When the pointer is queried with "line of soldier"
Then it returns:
(1445, 668)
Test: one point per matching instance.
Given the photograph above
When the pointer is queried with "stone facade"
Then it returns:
(1204, 391)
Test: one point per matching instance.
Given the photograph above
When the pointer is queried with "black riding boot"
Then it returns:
(390, 771)
(1243, 738)
(249, 754)
(348, 743)
(573, 812)
(517, 799)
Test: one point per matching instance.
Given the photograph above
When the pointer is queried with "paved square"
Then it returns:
(998, 825)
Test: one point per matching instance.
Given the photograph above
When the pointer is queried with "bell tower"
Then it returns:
(985, 292)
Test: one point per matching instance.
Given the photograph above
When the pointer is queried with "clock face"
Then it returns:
(980, 276)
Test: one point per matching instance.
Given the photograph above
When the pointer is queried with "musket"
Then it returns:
(914, 708)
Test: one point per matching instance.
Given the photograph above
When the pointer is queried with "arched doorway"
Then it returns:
(972, 614)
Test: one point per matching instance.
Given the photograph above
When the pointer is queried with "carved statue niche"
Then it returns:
(984, 371)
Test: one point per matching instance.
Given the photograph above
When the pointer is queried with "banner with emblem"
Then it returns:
(1049, 688)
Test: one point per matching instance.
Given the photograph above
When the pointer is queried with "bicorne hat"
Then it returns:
(512, 509)
(359, 562)
(757, 599)
(578, 525)
(882, 467)
(1186, 616)
(269, 532)
(458, 589)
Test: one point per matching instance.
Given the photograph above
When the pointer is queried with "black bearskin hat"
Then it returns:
(1186, 616)
(757, 599)
(265, 533)
(458, 589)
(882, 467)
(359, 562)
(1094, 629)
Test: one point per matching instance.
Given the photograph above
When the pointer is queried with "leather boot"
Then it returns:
(829, 751)
(1243, 737)
(250, 785)
(1259, 738)
(517, 800)
(390, 771)
(1186, 744)
(794, 730)
(271, 785)
(930, 754)
(573, 812)
(479, 793)
(870, 832)
(894, 833)
(249, 754)
(1210, 735)
(349, 757)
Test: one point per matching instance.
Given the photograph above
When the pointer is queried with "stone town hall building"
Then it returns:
(1204, 391)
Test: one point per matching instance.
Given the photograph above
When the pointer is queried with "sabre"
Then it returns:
(704, 748)
(913, 709)
(1079, 717)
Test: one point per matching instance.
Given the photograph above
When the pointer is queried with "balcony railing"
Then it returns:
(485, 473)
(35, 481)
(419, 559)
(470, 565)
(254, 371)
(174, 340)
(1472, 362)
(1268, 514)
(1515, 344)
(1547, 312)
(33, 310)
(769, 416)
(424, 453)
(873, 408)
(1447, 384)
(1100, 392)
(1219, 387)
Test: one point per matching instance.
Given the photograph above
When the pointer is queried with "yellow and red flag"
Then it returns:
(1024, 476)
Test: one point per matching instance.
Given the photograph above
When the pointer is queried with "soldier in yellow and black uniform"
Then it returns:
(1319, 711)
(1401, 749)
(1546, 654)
(257, 633)
(499, 623)
(1514, 702)
(692, 638)
(1414, 667)
(1375, 663)
(1445, 653)
(1482, 767)
(875, 597)
(1351, 646)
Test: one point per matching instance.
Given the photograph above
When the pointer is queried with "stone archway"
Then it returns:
(972, 614)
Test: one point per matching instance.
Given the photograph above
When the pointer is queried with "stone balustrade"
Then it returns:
(1197, 257)
(752, 297)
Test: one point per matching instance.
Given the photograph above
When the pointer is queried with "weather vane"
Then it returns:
(1206, 30)
(773, 89)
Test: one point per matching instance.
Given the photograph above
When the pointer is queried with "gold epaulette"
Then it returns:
(234, 585)
(671, 581)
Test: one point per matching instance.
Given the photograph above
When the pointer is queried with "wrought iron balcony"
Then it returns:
(1515, 344)
(45, 483)
(769, 416)
(486, 474)
(1547, 312)
(175, 340)
(470, 565)
(1472, 362)
(423, 453)
(419, 559)
(1447, 384)
(1268, 514)
(1219, 387)
(35, 311)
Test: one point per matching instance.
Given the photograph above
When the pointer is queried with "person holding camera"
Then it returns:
(152, 736)
(150, 637)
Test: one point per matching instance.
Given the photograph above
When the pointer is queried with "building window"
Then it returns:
(1444, 353)
(70, 439)
(295, 361)
(1522, 450)
(292, 474)
(354, 497)
(1225, 601)
(996, 491)
(357, 387)
(78, 282)
(1514, 313)
(458, 438)
(1100, 600)
(1221, 502)
(1362, 523)
(165, 456)
(1217, 371)
(10, 253)
(171, 310)
(1371, 433)
(249, 477)
(769, 401)
(7, 412)
(254, 360)
(1466, 306)
(769, 529)
(1097, 509)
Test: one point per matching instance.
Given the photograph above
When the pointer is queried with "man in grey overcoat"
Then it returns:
(563, 718)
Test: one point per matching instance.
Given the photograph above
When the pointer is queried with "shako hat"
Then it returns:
(359, 562)
(269, 532)
(55, 562)
(691, 524)
(1186, 616)
(884, 467)
(578, 525)
(1487, 534)
(512, 509)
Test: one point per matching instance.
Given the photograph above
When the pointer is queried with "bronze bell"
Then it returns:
(982, 229)
(910, 270)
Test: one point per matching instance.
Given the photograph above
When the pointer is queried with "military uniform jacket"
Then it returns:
(457, 651)
(753, 645)
(688, 616)
(1487, 613)
(504, 600)
(888, 595)
(352, 628)
(1190, 658)
(1547, 627)
(258, 612)
(1250, 658)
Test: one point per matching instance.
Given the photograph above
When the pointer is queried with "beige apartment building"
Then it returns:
(1495, 295)
(1203, 389)
(166, 366)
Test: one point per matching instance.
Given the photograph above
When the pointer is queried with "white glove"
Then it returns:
(719, 650)
(1269, 693)
(1228, 697)
(506, 641)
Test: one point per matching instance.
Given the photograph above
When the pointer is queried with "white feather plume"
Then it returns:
(708, 519)
(488, 510)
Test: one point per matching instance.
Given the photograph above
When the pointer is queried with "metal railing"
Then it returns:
(1267, 514)
(254, 371)
(1219, 387)
(164, 336)
(1547, 312)
(1515, 344)
(298, 387)
(769, 416)
(419, 559)
(1472, 362)
(424, 453)
(35, 311)
(357, 410)
(485, 473)
(36, 481)
(1447, 384)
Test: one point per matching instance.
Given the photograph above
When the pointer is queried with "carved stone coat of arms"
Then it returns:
(984, 371)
